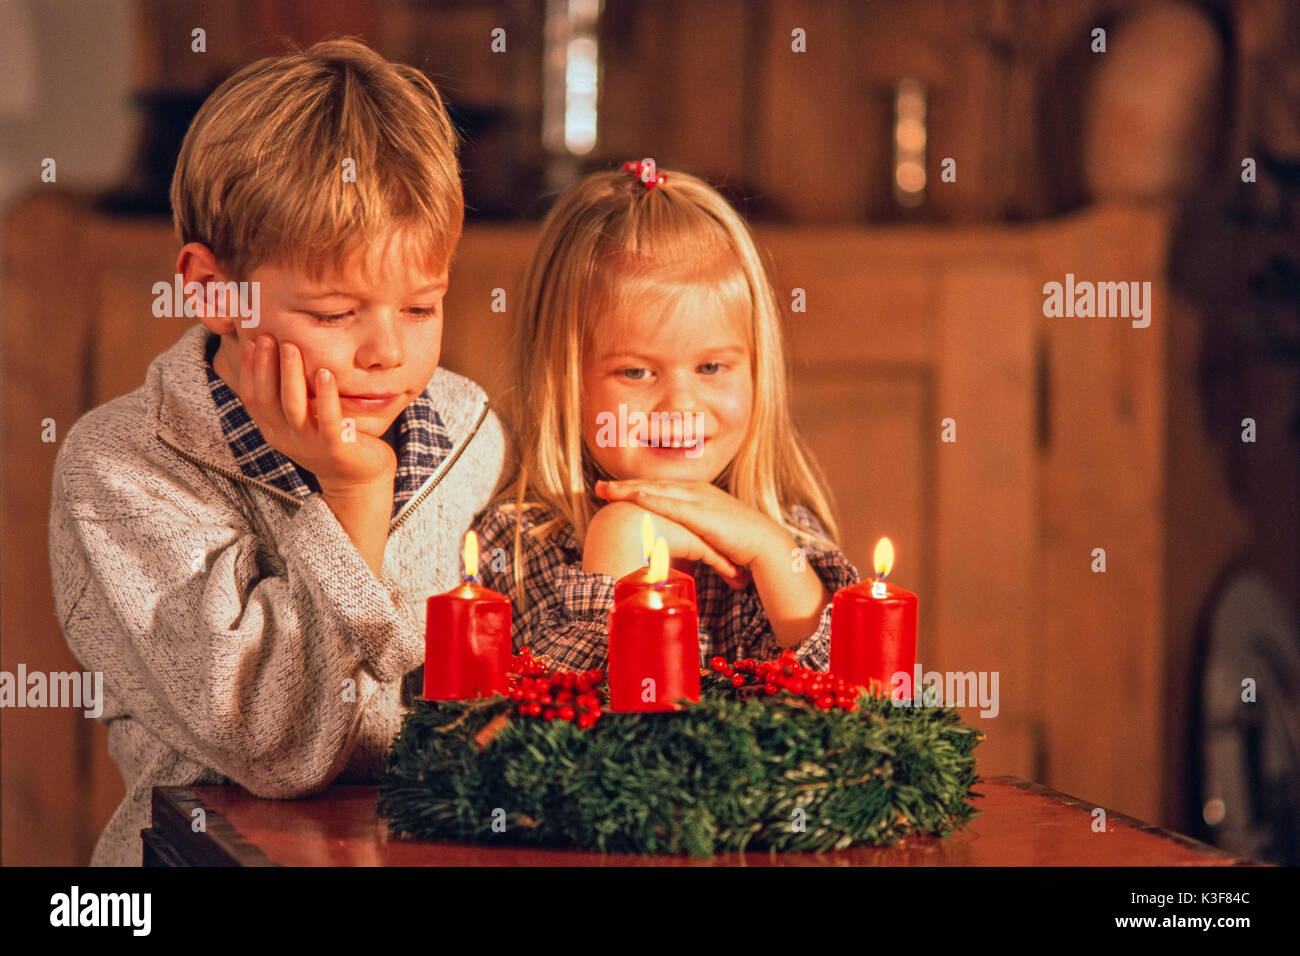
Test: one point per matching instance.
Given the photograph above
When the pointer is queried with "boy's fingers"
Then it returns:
(247, 370)
(250, 387)
(266, 371)
(328, 412)
(266, 380)
(293, 385)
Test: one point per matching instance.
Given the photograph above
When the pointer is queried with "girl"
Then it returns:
(650, 376)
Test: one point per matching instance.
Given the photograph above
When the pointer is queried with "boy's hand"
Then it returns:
(273, 387)
(613, 544)
(736, 531)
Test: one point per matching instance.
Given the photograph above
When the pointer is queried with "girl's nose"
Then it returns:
(678, 395)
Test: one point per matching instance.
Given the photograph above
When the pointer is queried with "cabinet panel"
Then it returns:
(868, 427)
(986, 502)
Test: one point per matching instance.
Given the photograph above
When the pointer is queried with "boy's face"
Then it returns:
(380, 341)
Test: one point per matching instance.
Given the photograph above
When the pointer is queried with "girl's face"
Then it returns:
(667, 398)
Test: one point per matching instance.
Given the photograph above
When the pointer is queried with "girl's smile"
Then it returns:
(691, 448)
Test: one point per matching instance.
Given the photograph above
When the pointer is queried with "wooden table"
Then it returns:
(1020, 824)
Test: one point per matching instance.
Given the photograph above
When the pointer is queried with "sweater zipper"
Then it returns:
(396, 523)
(436, 479)
(232, 475)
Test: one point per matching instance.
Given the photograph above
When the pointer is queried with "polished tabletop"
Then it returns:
(1019, 824)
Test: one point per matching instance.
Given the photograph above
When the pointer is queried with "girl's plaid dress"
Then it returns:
(563, 611)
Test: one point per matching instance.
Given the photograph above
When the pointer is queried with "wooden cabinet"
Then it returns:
(1063, 445)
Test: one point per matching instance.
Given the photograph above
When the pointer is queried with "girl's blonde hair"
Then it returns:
(610, 243)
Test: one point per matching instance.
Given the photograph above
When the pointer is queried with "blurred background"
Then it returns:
(919, 170)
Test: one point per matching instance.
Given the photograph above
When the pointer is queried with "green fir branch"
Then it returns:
(723, 775)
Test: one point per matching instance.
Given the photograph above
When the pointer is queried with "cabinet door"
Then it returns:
(482, 302)
(1108, 722)
(891, 347)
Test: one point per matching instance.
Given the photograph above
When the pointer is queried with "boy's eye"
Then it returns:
(332, 318)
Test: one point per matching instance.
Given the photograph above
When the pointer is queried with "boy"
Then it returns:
(244, 544)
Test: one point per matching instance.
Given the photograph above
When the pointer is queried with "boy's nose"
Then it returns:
(382, 345)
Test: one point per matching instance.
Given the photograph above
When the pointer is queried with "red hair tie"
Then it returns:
(645, 172)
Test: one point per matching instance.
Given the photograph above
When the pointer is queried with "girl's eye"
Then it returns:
(423, 311)
(635, 374)
(710, 368)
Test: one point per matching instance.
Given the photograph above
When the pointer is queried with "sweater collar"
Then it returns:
(186, 413)
(201, 416)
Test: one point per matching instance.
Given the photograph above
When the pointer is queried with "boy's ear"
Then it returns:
(196, 263)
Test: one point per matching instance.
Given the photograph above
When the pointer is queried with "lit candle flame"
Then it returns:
(884, 562)
(647, 537)
(658, 562)
(884, 558)
(471, 555)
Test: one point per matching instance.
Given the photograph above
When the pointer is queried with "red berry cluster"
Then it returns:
(541, 691)
(524, 664)
(784, 674)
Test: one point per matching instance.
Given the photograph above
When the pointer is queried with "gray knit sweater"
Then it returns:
(241, 635)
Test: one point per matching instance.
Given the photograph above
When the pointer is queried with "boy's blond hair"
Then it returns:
(261, 177)
(610, 245)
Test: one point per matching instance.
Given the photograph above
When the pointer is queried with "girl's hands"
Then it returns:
(736, 531)
(273, 387)
(613, 544)
(793, 598)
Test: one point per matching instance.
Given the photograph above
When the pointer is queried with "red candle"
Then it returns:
(677, 583)
(654, 646)
(467, 638)
(873, 629)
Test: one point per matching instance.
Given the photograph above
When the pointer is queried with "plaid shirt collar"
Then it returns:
(422, 442)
